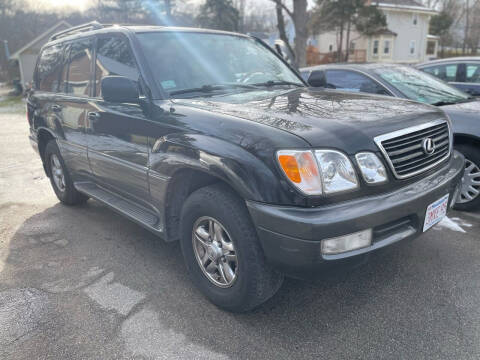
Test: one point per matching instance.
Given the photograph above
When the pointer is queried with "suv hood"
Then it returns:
(324, 119)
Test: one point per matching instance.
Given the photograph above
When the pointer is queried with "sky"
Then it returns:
(84, 4)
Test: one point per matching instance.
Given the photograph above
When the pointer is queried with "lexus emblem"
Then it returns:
(428, 146)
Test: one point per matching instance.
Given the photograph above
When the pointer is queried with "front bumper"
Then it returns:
(291, 236)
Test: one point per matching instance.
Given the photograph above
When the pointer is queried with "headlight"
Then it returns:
(371, 167)
(301, 169)
(318, 172)
(337, 171)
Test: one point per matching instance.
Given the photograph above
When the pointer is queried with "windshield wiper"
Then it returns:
(442, 103)
(211, 88)
(452, 102)
(271, 83)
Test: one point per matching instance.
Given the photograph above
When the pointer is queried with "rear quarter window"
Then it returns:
(79, 68)
(49, 68)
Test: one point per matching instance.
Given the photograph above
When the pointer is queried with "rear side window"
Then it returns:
(444, 72)
(49, 69)
(79, 68)
(114, 57)
(352, 81)
(472, 73)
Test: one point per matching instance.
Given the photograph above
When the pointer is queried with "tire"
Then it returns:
(66, 192)
(472, 173)
(255, 281)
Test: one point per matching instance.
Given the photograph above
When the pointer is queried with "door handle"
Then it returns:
(93, 116)
(56, 108)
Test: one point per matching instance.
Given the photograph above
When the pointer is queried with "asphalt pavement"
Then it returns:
(85, 283)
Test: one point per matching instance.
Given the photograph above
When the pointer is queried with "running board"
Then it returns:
(137, 213)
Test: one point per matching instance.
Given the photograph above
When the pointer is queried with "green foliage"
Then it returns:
(334, 14)
(219, 14)
(369, 20)
(440, 24)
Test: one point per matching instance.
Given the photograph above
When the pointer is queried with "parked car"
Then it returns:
(407, 82)
(211, 139)
(461, 72)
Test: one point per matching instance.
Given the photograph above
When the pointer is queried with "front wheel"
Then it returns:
(468, 198)
(222, 253)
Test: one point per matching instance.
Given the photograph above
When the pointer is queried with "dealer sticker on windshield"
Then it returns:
(436, 211)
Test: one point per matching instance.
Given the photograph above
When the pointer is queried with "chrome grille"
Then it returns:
(405, 149)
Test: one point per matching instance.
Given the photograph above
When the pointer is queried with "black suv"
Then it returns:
(210, 138)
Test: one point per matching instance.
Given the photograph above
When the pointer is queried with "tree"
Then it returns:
(299, 17)
(440, 25)
(123, 11)
(219, 14)
(370, 20)
(342, 15)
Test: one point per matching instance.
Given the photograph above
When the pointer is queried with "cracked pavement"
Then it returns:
(85, 283)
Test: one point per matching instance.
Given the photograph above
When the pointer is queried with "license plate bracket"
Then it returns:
(436, 211)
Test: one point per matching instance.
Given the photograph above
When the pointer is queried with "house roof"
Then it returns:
(411, 5)
(384, 32)
(400, 2)
(51, 30)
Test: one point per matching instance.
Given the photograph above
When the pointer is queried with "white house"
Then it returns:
(404, 40)
(26, 56)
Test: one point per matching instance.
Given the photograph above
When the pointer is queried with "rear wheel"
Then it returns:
(469, 196)
(60, 178)
(222, 253)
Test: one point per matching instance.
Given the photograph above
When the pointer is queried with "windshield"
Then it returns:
(186, 63)
(416, 85)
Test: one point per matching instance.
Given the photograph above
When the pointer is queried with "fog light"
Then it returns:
(346, 243)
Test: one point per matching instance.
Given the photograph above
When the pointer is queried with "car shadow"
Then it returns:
(111, 279)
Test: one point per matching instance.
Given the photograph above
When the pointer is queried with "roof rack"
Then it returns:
(94, 25)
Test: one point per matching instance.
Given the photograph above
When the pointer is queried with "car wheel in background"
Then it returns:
(469, 197)
(222, 253)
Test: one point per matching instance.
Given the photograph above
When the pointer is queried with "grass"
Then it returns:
(11, 101)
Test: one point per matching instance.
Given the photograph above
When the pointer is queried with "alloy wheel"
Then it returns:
(215, 252)
(57, 172)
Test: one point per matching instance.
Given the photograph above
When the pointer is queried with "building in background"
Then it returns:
(25, 58)
(404, 40)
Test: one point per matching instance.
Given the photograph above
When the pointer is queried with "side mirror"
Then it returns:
(120, 89)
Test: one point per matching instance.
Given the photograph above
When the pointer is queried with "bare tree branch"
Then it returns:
(284, 7)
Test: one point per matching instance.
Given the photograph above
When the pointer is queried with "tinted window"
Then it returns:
(114, 57)
(444, 72)
(78, 78)
(49, 68)
(64, 72)
(352, 81)
(472, 73)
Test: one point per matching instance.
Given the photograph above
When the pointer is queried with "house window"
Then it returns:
(386, 47)
(412, 47)
(415, 19)
(375, 47)
(431, 47)
(330, 47)
(352, 47)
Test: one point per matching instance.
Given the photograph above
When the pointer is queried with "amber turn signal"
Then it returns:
(300, 167)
